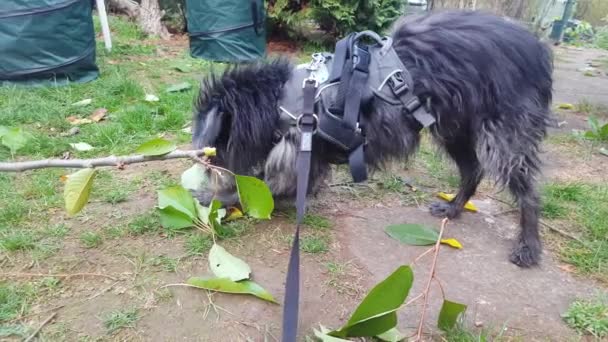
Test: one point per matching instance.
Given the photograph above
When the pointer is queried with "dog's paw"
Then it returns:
(444, 209)
(525, 255)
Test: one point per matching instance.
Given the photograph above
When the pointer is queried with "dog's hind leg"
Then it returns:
(463, 153)
(528, 250)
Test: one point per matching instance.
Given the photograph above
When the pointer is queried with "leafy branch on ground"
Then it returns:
(376, 315)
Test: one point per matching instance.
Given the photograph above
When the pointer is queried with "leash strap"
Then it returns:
(306, 124)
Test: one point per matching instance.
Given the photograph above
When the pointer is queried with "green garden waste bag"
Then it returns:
(46, 42)
(226, 30)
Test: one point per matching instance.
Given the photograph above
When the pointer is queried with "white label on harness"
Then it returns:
(306, 142)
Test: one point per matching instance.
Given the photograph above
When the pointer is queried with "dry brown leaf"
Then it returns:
(567, 268)
(99, 114)
(74, 120)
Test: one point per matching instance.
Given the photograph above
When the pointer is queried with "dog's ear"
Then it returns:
(207, 127)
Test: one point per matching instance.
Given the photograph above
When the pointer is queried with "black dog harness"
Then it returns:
(335, 87)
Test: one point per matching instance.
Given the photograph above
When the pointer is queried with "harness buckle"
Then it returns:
(361, 59)
(314, 123)
(397, 83)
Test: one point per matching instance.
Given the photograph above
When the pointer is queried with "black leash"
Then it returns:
(306, 123)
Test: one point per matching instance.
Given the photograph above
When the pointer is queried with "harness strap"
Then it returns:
(306, 124)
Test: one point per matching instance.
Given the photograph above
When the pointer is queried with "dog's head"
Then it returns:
(236, 113)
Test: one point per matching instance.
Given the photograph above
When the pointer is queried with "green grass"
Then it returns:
(313, 244)
(91, 239)
(589, 317)
(120, 319)
(585, 208)
(167, 263)
(198, 244)
(14, 300)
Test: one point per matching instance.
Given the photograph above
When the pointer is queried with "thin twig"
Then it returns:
(542, 222)
(31, 337)
(428, 284)
(89, 163)
(423, 254)
(564, 233)
(62, 275)
(64, 305)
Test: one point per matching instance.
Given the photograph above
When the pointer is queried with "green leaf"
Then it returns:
(322, 335)
(179, 87)
(590, 135)
(179, 199)
(228, 286)
(77, 190)
(216, 214)
(255, 197)
(13, 138)
(377, 312)
(225, 265)
(594, 124)
(156, 147)
(413, 234)
(194, 178)
(448, 316)
(393, 335)
(3, 131)
(172, 218)
(604, 132)
(82, 103)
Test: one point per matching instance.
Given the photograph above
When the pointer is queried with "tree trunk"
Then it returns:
(148, 15)
(128, 7)
(149, 19)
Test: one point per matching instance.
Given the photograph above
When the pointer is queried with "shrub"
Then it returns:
(601, 38)
(340, 17)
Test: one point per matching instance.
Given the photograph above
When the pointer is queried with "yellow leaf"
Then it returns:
(209, 151)
(448, 197)
(234, 214)
(566, 106)
(77, 190)
(452, 243)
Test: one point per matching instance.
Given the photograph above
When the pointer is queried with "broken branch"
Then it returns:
(425, 294)
(88, 163)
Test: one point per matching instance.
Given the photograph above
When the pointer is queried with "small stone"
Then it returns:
(478, 324)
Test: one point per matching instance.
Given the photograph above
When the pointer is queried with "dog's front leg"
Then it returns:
(470, 176)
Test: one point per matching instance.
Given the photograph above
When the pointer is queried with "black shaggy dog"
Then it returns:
(489, 85)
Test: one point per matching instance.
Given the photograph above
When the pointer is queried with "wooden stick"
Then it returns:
(40, 327)
(89, 163)
(28, 275)
(428, 284)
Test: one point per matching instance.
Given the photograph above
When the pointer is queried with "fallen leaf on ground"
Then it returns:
(567, 268)
(82, 103)
(99, 114)
(82, 146)
(565, 106)
(179, 87)
(604, 151)
(233, 214)
(74, 120)
(448, 197)
(152, 98)
(452, 243)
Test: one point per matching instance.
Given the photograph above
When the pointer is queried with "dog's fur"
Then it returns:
(489, 83)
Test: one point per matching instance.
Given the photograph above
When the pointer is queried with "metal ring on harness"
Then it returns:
(316, 123)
